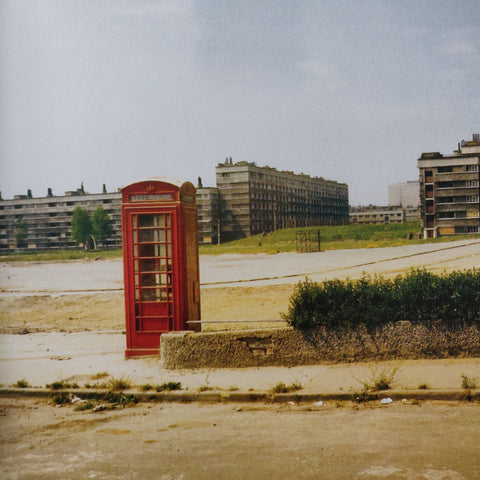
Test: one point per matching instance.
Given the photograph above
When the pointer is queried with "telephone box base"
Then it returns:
(142, 352)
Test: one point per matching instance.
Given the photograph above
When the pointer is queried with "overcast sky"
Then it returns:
(114, 91)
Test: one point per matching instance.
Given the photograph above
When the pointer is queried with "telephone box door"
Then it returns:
(153, 271)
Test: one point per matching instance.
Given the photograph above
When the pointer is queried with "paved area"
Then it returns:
(45, 358)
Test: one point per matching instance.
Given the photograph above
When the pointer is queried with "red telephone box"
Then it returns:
(160, 261)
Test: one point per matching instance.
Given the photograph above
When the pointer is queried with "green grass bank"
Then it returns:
(331, 238)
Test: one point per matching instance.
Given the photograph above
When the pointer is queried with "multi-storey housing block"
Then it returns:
(247, 200)
(208, 205)
(405, 194)
(263, 199)
(47, 219)
(377, 215)
(449, 190)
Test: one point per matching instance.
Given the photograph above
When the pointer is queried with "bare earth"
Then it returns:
(105, 311)
(431, 441)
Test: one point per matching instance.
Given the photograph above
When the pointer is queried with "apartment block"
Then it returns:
(47, 219)
(449, 190)
(257, 199)
(208, 211)
(247, 200)
(377, 215)
(406, 194)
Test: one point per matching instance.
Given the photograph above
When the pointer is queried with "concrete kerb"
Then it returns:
(249, 397)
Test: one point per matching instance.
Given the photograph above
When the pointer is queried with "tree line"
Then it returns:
(88, 230)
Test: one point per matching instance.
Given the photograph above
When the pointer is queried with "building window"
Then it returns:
(472, 168)
(444, 169)
(472, 199)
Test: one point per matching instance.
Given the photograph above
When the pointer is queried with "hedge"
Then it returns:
(419, 297)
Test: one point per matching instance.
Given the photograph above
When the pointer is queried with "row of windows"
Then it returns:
(467, 199)
(450, 169)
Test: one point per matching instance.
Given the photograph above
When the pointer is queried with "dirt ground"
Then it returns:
(105, 311)
(232, 441)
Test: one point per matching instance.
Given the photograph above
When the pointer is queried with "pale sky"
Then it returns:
(115, 91)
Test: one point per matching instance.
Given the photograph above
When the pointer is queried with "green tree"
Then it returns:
(81, 226)
(102, 225)
(21, 231)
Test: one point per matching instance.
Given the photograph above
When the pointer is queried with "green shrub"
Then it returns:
(419, 297)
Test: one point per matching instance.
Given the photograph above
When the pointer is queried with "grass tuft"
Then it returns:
(169, 386)
(282, 388)
(469, 383)
(122, 383)
(23, 383)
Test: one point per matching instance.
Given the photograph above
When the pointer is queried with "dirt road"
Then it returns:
(175, 441)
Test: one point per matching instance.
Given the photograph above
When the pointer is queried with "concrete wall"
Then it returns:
(289, 347)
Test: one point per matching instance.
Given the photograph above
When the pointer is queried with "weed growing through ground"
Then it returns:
(61, 384)
(381, 378)
(23, 383)
(120, 399)
(361, 397)
(122, 383)
(147, 387)
(282, 388)
(169, 386)
(423, 386)
(469, 383)
(61, 398)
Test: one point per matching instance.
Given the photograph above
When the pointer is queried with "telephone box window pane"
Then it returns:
(149, 295)
(148, 280)
(147, 250)
(147, 265)
(146, 236)
(145, 221)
